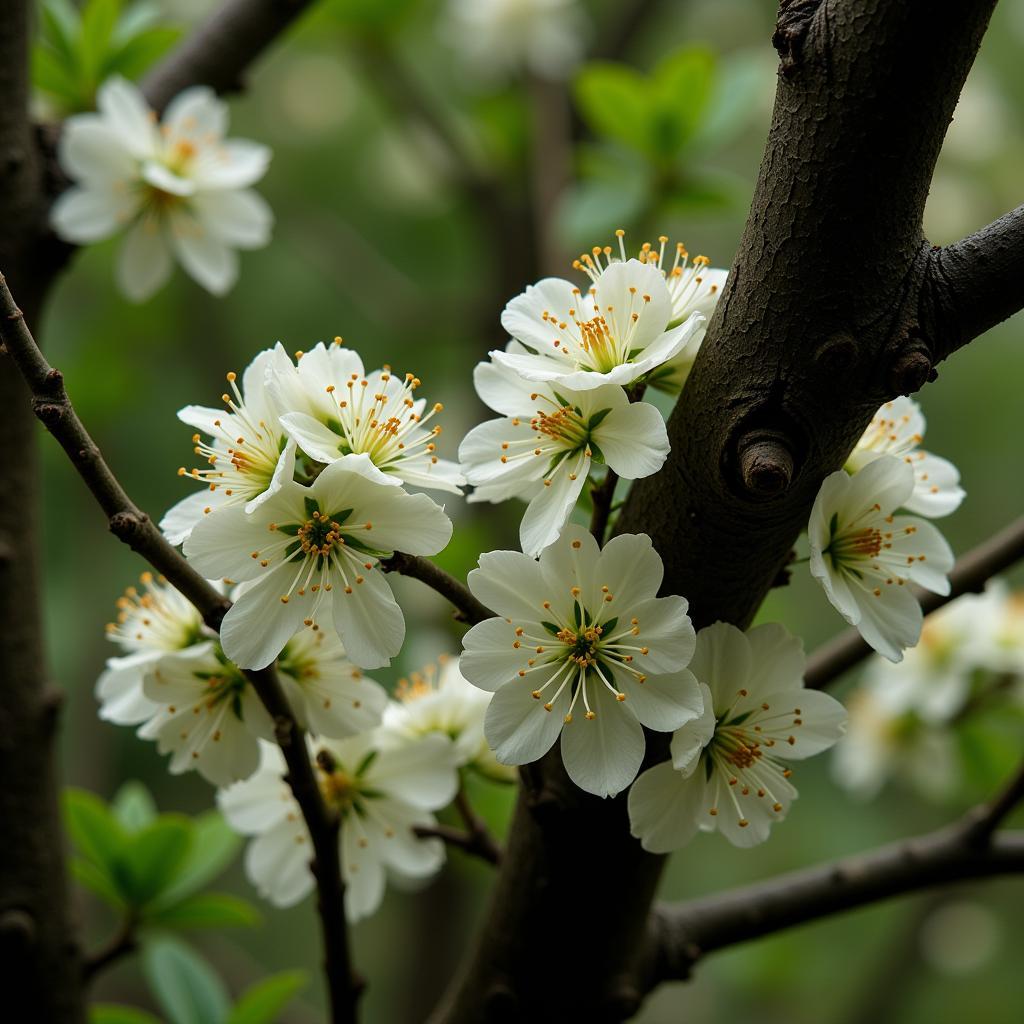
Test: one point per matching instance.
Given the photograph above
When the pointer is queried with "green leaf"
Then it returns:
(214, 847)
(184, 984)
(94, 830)
(97, 880)
(138, 54)
(615, 102)
(138, 18)
(682, 90)
(264, 1001)
(61, 26)
(51, 73)
(134, 807)
(98, 20)
(108, 1013)
(206, 910)
(152, 858)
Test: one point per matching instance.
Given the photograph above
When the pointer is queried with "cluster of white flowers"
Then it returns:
(862, 552)
(971, 654)
(177, 188)
(175, 682)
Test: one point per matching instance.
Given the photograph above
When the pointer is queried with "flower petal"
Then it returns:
(664, 808)
(144, 260)
(242, 219)
(634, 441)
(509, 583)
(517, 727)
(369, 621)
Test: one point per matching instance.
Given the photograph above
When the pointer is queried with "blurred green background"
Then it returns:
(378, 240)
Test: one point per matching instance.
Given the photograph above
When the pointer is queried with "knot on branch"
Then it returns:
(49, 412)
(128, 526)
(766, 463)
(17, 931)
(791, 27)
(910, 371)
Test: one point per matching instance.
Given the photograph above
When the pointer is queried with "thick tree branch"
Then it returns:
(221, 49)
(809, 338)
(40, 962)
(684, 933)
(969, 576)
(974, 284)
(468, 608)
(131, 525)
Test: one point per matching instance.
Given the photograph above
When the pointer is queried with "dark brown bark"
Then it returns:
(819, 324)
(40, 968)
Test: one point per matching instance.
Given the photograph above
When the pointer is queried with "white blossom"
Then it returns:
(332, 407)
(996, 642)
(728, 767)
(248, 457)
(582, 649)
(178, 188)
(694, 287)
(439, 699)
(864, 555)
(898, 429)
(548, 442)
(208, 715)
(151, 623)
(615, 333)
(500, 36)
(312, 552)
(381, 795)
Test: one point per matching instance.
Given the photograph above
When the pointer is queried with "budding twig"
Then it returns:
(127, 521)
(468, 608)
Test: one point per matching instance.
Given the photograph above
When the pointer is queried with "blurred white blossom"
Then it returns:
(177, 187)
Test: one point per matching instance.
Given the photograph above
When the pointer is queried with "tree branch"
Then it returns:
(684, 933)
(124, 942)
(221, 49)
(985, 819)
(131, 525)
(969, 576)
(974, 284)
(468, 608)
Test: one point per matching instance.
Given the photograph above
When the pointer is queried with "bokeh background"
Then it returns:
(378, 239)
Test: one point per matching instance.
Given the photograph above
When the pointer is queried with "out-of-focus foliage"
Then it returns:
(151, 866)
(78, 48)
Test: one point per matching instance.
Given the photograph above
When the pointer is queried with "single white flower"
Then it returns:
(332, 407)
(381, 795)
(208, 715)
(248, 457)
(179, 187)
(898, 429)
(583, 649)
(315, 550)
(616, 333)
(152, 623)
(889, 736)
(328, 694)
(500, 36)
(863, 555)
(548, 442)
(728, 767)
(694, 287)
(439, 699)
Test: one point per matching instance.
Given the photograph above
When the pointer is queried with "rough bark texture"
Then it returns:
(821, 322)
(40, 969)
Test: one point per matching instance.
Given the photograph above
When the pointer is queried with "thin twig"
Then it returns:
(602, 496)
(460, 839)
(220, 50)
(468, 608)
(969, 575)
(684, 933)
(985, 819)
(488, 847)
(125, 941)
(127, 522)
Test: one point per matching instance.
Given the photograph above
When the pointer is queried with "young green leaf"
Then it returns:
(94, 830)
(184, 984)
(109, 1013)
(152, 858)
(97, 880)
(214, 847)
(264, 1001)
(614, 100)
(206, 910)
(134, 807)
